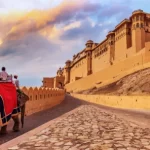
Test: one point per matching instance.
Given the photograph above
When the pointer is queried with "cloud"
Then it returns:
(29, 45)
(37, 20)
(96, 26)
(84, 32)
(73, 25)
(115, 12)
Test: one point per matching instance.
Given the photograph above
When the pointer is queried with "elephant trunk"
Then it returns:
(22, 114)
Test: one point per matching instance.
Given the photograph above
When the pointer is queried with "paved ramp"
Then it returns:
(42, 117)
(90, 127)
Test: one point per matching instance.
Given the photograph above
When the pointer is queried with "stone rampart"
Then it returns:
(127, 102)
(109, 74)
(42, 98)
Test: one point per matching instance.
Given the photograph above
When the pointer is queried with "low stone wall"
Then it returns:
(129, 102)
(42, 98)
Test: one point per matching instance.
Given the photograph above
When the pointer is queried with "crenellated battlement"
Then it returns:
(41, 98)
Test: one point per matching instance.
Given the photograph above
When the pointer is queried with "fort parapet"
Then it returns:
(42, 98)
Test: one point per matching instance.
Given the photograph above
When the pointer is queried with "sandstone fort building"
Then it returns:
(124, 48)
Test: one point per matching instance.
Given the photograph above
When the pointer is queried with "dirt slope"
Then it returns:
(137, 83)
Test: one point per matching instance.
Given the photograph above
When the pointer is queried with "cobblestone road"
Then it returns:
(89, 128)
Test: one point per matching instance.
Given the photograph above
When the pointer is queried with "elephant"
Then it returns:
(22, 98)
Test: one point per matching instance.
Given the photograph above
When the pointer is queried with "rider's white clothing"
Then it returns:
(16, 82)
(3, 75)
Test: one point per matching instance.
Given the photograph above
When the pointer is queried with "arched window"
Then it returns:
(137, 25)
(141, 25)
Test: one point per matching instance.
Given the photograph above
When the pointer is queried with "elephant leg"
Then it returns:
(3, 130)
(16, 123)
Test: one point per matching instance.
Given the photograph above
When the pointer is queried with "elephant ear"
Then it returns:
(22, 98)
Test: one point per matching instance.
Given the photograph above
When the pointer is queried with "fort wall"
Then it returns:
(126, 102)
(125, 49)
(101, 58)
(111, 73)
(53, 82)
(78, 70)
(120, 43)
(42, 98)
(48, 82)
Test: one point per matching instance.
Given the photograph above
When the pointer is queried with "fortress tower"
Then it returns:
(67, 71)
(111, 46)
(138, 29)
(88, 52)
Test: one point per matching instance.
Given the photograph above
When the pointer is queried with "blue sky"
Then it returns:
(38, 36)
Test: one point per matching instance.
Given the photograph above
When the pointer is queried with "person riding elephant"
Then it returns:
(8, 110)
(3, 74)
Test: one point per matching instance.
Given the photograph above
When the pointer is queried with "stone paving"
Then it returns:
(89, 128)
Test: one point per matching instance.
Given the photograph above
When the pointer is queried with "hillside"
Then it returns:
(137, 83)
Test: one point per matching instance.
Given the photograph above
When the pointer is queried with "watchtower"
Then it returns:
(111, 43)
(67, 70)
(138, 31)
(88, 51)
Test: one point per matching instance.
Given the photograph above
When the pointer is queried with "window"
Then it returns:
(137, 25)
(89, 45)
(141, 25)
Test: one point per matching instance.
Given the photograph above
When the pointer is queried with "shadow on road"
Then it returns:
(42, 117)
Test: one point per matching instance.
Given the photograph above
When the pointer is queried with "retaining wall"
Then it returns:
(129, 102)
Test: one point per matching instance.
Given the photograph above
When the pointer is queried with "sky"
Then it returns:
(38, 36)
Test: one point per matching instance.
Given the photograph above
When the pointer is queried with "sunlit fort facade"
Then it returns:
(130, 37)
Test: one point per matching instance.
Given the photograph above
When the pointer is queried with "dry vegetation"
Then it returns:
(137, 83)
